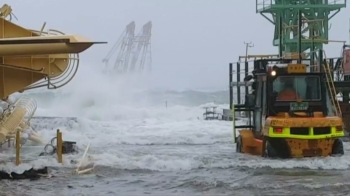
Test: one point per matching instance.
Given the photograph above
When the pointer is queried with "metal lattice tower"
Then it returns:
(315, 14)
(131, 52)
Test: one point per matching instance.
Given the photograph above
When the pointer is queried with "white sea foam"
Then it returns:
(130, 127)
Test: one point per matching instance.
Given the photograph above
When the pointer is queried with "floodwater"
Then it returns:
(141, 146)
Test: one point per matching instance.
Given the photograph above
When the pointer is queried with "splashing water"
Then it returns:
(133, 126)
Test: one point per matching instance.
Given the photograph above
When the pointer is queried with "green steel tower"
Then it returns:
(315, 16)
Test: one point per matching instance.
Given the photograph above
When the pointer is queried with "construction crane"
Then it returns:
(131, 52)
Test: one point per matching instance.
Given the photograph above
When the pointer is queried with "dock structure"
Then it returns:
(211, 113)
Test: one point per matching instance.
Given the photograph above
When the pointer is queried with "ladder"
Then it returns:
(241, 108)
(331, 87)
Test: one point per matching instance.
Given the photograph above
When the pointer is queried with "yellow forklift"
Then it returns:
(291, 100)
(292, 110)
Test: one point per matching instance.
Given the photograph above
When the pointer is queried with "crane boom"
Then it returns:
(128, 49)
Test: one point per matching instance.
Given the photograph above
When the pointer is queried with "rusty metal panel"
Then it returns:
(346, 120)
(345, 109)
(346, 62)
(310, 148)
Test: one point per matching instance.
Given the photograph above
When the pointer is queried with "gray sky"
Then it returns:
(192, 40)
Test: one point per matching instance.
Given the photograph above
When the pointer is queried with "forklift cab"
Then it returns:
(294, 88)
(304, 93)
(279, 93)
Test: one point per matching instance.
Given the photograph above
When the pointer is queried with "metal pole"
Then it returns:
(247, 45)
(299, 35)
(234, 125)
(230, 84)
(313, 49)
(246, 70)
(320, 60)
(280, 37)
(238, 69)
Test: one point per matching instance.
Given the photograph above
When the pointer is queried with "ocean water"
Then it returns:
(154, 141)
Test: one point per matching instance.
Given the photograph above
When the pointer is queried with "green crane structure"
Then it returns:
(315, 16)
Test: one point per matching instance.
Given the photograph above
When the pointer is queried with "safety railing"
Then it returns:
(262, 5)
(331, 88)
(27, 103)
(66, 76)
(337, 2)
(16, 117)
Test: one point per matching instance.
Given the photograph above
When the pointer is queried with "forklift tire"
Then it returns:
(239, 144)
(270, 151)
(338, 148)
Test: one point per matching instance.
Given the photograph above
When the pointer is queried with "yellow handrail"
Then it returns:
(331, 87)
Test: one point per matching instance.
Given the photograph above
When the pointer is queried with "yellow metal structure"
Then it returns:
(286, 122)
(18, 148)
(296, 68)
(32, 59)
(16, 118)
(28, 56)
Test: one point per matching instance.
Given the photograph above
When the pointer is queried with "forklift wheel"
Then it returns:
(270, 151)
(239, 144)
(338, 148)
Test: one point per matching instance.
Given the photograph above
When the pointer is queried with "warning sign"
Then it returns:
(346, 62)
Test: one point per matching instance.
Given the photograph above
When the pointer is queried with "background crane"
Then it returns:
(131, 52)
